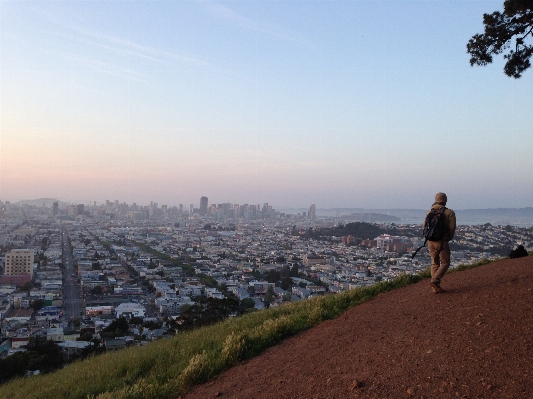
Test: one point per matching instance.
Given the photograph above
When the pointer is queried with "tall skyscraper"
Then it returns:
(55, 209)
(312, 212)
(203, 206)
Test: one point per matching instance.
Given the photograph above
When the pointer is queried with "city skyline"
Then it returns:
(366, 104)
(472, 216)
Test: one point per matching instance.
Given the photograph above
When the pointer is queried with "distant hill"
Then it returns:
(372, 217)
(360, 230)
(498, 216)
(495, 216)
(46, 202)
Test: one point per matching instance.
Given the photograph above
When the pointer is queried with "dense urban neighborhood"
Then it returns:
(78, 280)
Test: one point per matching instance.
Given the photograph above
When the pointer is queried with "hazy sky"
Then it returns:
(340, 103)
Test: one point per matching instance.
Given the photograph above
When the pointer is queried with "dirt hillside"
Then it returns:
(473, 341)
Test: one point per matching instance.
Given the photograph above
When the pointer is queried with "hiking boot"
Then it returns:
(436, 288)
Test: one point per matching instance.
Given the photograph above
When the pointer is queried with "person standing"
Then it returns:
(440, 250)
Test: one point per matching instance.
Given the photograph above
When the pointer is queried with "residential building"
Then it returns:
(18, 267)
(129, 310)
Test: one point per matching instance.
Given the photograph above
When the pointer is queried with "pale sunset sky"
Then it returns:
(369, 104)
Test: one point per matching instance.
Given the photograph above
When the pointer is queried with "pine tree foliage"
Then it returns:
(509, 32)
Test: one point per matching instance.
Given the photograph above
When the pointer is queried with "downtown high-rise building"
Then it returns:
(312, 212)
(203, 206)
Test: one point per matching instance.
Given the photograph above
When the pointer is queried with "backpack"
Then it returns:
(434, 227)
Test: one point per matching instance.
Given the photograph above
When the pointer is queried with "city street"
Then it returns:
(71, 291)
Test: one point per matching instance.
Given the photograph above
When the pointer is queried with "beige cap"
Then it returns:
(441, 197)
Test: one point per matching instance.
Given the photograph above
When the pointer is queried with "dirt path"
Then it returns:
(473, 341)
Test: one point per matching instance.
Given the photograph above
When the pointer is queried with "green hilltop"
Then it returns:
(169, 368)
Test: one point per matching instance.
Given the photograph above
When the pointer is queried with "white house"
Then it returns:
(129, 310)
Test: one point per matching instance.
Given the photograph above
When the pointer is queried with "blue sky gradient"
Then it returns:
(367, 104)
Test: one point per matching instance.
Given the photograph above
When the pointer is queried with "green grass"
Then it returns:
(168, 368)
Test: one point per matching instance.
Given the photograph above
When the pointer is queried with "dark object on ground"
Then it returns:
(519, 252)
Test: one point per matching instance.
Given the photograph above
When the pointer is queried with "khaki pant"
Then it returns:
(440, 259)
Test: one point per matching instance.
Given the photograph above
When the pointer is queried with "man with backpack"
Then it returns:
(439, 229)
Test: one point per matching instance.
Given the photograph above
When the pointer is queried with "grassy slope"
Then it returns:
(169, 368)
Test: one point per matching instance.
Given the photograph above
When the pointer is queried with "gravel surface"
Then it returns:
(472, 341)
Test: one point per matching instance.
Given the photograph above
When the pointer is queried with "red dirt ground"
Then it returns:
(473, 341)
